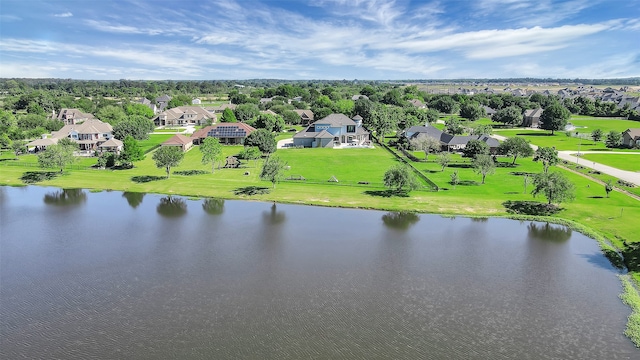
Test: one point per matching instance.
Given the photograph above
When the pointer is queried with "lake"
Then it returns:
(114, 275)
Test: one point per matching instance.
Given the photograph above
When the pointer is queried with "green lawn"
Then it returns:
(586, 124)
(629, 162)
(559, 139)
(154, 140)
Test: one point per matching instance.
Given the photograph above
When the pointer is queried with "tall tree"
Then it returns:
(444, 158)
(400, 178)
(474, 148)
(596, 135)
(471, 110)
(246, 112)
(131, 151)
(211, 150)
(547, 155)
(554, 186)
(228, 116)
(136, 126)
(167, 157)
(614, 139)
(272, 123)
(484, 165)
(111, 114)
(554, 117)
(273, 170)
(427, 144)
(56, 156)
(515, 146)
(263, 139)
(511, 115)
(453, 126)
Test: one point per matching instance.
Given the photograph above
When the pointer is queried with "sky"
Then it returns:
(319, 39)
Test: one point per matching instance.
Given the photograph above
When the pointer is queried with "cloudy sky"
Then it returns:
(319, 39)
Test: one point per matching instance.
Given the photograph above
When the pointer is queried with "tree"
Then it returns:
(484, 164)
(211, 151)
(246, 112)
(263, 139)
(111, 114)
(608, 187)
(167, 157)
(228, 116)
(482, 129)
(474, 148)
(250, 153)
(273, 170)
(515, 146)
(401, 178)
(138, 109)
(445, 104)
(444, 158)
(596, 135)
(5, 141)
(131, 151)
(452, 126)
(455, 179)
(272, 123)
(18, 147)
(136, 126)
(471, 110)
(526, 181)
(511, 116)
(614, 139)
(554, 186)
(427, 144)
(554, 117)
(363, 107)
(547, 155)
(56, 156)
(385, 120)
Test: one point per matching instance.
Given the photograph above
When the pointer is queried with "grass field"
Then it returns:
(629, 162)
(153, 141)
(586, 124)
(559, 139)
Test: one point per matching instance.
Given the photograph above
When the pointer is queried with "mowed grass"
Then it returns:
(630, 162)
(559, 140)
(154, 140)
(586, 124)
(590, 208)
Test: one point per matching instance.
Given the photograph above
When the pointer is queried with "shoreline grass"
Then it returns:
(631, 298)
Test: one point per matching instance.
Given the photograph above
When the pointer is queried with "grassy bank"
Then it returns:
(630, 162)
(631, 297)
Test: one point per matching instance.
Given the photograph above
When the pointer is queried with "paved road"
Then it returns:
(630, 176)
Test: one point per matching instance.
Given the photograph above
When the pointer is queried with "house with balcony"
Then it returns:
(335, 130)
(73, 116)
(183, 116)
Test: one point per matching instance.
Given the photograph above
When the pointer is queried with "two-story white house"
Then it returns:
(335, 130)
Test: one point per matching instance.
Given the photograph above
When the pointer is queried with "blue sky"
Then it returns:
(319, 39)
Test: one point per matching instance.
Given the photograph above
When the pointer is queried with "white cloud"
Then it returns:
(63, 15)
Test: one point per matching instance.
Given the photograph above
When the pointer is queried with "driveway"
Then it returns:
(570, 155)
(285, 143)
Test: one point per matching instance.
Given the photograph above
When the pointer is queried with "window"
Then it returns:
(351, 128)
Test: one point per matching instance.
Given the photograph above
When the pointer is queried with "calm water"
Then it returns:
(111, 275)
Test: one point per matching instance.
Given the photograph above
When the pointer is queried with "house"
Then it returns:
(220, 109)
(531, 117)
(89, 135)
(449, 142)
(227, 133)
(631, 137)
(112, 145)
(41, 144)
(73, 116)
(358, 96)
(306, 116)
(489, 111)
(183, 142)
(183, 115)
(149, 104)
(331, 131)
(417, 103)
(162, 102)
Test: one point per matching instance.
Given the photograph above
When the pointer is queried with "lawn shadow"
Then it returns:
(511, 193)
(191, 172)
(468, 183)
(595, 197)
(536, 134)
(432, 171)
(461, 166)
(32, 177)
(252, 190)
(522, 173)
(530, 208)
(122, 167)
(146, 178)
(387, 193)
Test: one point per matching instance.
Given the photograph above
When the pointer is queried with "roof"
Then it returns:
(73, 114)
(178, 139)
(533, 112)
(310, 133)
(634, 133)
(335, 120)
(113, 142)
(163, 98)
(198, 113)
(91, 126)
(224, 130)
(304, 113)
(43, 142)
(358, 96)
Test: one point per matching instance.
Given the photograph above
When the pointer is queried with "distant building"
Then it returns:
(73, 116)
(184, 115)
(226, 133)
(183, 142)
(531, 117)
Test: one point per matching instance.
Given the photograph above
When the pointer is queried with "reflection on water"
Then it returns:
(400, 220)
(65, 197)
(171, 206)
(133, 198)
(549, 232)
(213, 206)
(274, 216)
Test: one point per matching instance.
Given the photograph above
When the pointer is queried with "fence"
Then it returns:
(416, 171)
(36, 165)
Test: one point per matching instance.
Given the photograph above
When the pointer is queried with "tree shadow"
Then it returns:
(400, 220)
(610, 258)
(191, 172)
(461, 166)
(595, 197)
(251, 190)
(502, 164)
(549, 232)
(146, 178)
(65, 197)
(387, 193)
(32, 177)
(631, 255)
(172, 206)
(123, 167)
(468, 183)
(213, 206)
(133, 198)
(536, 134)
(530, 208)
(522, 173)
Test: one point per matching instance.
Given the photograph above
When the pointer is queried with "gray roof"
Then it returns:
(335, 120)
(311, 133)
